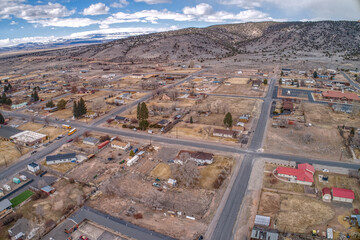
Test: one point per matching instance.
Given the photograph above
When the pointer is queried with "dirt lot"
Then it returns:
(241, 90)
(9, 154)
(323, 116)
(325, 143)
(51, 132)
(53, 206)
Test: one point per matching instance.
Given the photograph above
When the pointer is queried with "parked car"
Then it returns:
(156, 184)
(82, 237)
(70, 140)
(33, 152)
(325, 170)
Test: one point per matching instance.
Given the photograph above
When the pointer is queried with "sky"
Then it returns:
(24, 21)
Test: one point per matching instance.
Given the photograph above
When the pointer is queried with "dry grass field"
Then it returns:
(161, 171)
(210, 173)
(270, 181)
(241, 90)
(9, 154)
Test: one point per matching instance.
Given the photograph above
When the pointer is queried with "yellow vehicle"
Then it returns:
(66, 126)
(72, 131)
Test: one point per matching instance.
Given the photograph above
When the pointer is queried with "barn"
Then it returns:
(343, 195)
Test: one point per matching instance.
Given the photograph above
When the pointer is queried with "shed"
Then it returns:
(90, 141)
(33, 167)
(326, 195)
(343, 195)
(16, 180)
(257, 233)
(48, 190)
(262, 220)
(329, 233)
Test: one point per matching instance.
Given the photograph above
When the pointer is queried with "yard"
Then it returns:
(9, 153)
(21, 198)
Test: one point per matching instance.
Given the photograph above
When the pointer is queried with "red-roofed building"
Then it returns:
(308, 167)
(300, 176)
(342, 96)
(326, 195)
(343, 195)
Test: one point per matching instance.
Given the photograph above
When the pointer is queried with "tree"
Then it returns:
(61, 104)
(2, 119)
(74, 89)
(82, 107)
(98, 104)
(19, 147)
(280, 82)
(131, 154)
(282, 73)
(186, 173)
(138, 111)
(35, 96)
(315, 75)
(228, 122)
(144, 111)
(50, 104)
(75, 110)
(144, 124)
(191, 120)
(265, 81)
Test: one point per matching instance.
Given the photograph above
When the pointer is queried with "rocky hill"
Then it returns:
(326, 37)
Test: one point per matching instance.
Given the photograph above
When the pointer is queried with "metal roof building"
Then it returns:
(6, 131)
(5, 204)
(263, 234)
(262, 220)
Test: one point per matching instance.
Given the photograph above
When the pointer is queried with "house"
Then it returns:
(326, 195)
(200, 158)
(286, 71)
(165, 97)
(256, 83)
(28, 138)
(340, 96)
(302, 175)
(225, 133)
(125, 96)
(288, 106)
(119, 101)
(61, 158)
(120, 119)
(120, 145)
(91, 141)
(33, 167)
(262, 220)
(5, 205)
(343, 195)
(307, 167)
(48, 190)
(244, 118)
(263, 234)
(20, 229)
(163, 122)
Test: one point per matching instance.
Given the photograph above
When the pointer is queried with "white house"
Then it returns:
(33, 167)
(61, 158)
(120, 145)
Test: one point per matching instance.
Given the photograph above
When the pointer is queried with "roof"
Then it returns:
(262, 220)
(7, 132)
(285, 69)
(326, 191)
(264, 234)
(224, 131)
(197, 155)
(288, 105)
(91, 140)
(336, 94)
(47, 189)
(60, 156)
(28, 136)
(119, 143)
(21, 225)
(306, 166)
(343, 193)
(119, 118)
(163, 122)
(33, 164)
(300, 174)
(4, 204)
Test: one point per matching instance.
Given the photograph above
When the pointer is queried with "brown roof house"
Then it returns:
(225, 133)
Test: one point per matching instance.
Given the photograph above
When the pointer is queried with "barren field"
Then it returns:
(241, 90)
(324, 142)
(51, 132)
(9, 154)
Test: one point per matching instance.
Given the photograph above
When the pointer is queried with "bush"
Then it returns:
(104, 138)
(138, 216)
(68, 209)
(124, 126)
(71, 180)
(219, 181)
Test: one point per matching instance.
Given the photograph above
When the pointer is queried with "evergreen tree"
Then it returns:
(228, 120)
(144, 111)
(132, 153)
(2, 120)
(35, 96)
(315, 75)
(61, 104)
(82, 107)
(144, 124)
(50, 104)
(191, 120)
(265, 81)
(75, 110)
(138, 111)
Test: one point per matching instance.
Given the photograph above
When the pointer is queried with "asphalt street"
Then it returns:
(354, 84)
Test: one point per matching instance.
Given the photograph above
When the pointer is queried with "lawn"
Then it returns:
(21, 198)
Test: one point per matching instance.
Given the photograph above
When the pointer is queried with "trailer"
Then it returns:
(103, 144)
(132, 161)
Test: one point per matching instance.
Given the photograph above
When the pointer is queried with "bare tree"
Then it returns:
(46, 121)
(308, 138)
(187, 173)
(154, 199)
(207, 130)
(19, 147)
(173, 95)
(98, 104)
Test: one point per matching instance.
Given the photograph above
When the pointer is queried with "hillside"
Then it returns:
(326, 37)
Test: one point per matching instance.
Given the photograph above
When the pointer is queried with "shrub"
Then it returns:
(138, 216)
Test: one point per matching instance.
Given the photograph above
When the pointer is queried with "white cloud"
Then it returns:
(200, 9)
(66, 22)
(120, 4)
(27, 12)
(96, 9)
(154, 1)
(107, 34)
(318, 9)
(13, 23)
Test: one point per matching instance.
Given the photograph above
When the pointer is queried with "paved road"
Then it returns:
(353, 83)
(233, 96)
(225, 226)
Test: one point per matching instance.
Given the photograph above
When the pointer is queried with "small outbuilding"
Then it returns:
(33, 167)
(48, 190)
(326, 195)
(343, 195)
(262, 220)
(91, 141)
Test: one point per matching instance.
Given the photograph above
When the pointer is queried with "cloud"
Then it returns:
(200, 9)
(96, 9)
(120, 4)
(315, 9)
(13, 23)
(154, 1)
(27, 12)
(106, 34)
(65, 22)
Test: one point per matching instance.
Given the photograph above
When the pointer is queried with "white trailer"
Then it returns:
(132, 160)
